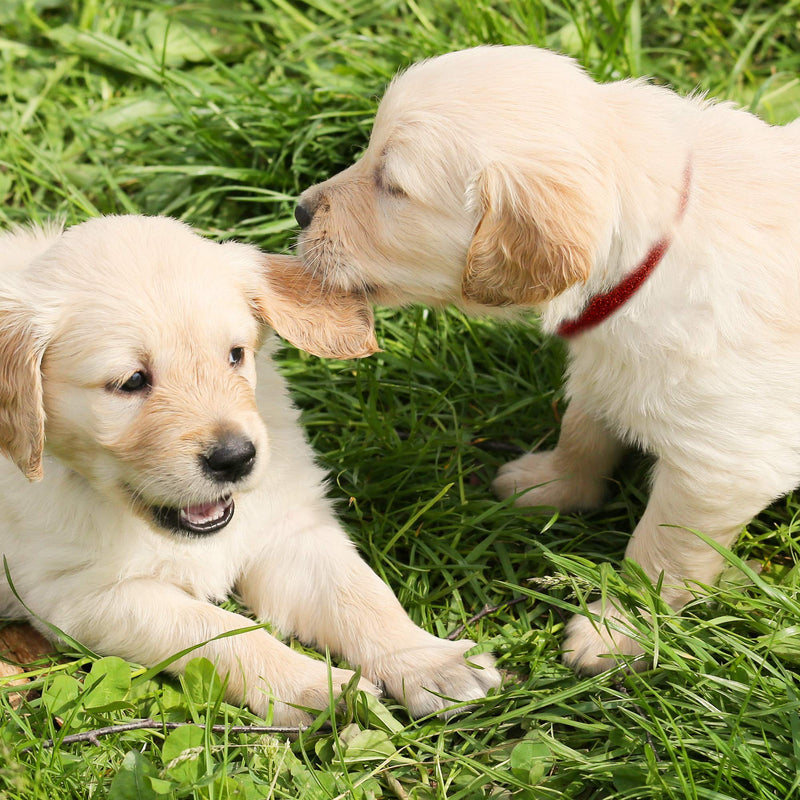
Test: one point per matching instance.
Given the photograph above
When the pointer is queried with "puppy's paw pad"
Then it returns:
(594, 645)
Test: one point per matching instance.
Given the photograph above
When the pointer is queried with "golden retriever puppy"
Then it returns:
(658, 235)
(155, 474)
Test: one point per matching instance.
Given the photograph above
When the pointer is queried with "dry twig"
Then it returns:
(93, 736)
(484, 612)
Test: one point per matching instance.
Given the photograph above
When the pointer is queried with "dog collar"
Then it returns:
(604, 305)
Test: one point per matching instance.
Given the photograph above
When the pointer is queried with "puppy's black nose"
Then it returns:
(303, 215)
(230, 459)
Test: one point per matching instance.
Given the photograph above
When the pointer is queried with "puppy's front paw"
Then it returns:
(433, 676)
(547, 484)
(594, 644)
(307, 688)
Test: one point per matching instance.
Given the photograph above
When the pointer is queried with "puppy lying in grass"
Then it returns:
(658, 235)
(148, 474)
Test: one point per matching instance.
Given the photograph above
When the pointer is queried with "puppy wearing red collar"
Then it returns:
(657, 234)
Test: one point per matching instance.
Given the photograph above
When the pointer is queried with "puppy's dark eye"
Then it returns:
(137, 382)
(236, 356)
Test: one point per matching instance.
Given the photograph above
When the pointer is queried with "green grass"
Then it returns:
(221, 113)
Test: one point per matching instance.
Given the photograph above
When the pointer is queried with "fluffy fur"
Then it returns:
(86, 316)
(504, 178)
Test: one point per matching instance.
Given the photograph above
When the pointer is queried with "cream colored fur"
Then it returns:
(503, 178)
(82, 310)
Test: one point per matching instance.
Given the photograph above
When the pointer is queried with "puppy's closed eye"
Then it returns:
(387, 184)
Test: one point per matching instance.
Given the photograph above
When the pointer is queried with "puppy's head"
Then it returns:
(127, 352)
(479, 186)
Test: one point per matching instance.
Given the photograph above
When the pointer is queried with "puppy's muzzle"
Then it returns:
(231, 458)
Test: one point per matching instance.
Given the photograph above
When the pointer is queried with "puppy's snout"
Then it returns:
(303, 214)
(230, 459)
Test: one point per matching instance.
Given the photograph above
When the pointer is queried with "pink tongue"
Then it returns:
(204, 512)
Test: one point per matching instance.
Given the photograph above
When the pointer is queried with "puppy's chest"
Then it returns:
(640, 395)
(209, 568)
(201, 569)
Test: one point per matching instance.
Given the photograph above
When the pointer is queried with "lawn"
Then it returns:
(220, 113)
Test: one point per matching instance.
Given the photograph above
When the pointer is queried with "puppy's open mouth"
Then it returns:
(196, 520)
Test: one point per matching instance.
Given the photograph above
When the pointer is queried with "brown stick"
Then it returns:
(154, 724)
(484, 612)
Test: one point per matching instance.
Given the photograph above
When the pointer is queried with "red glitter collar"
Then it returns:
(604, 305)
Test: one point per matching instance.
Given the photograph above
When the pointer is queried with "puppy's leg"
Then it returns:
(571, 477)
(311, 582)
(677, 499)
(147, 622)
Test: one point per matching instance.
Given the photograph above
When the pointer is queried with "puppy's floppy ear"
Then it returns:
(21, 399)
(535, 239)
(323, 321)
